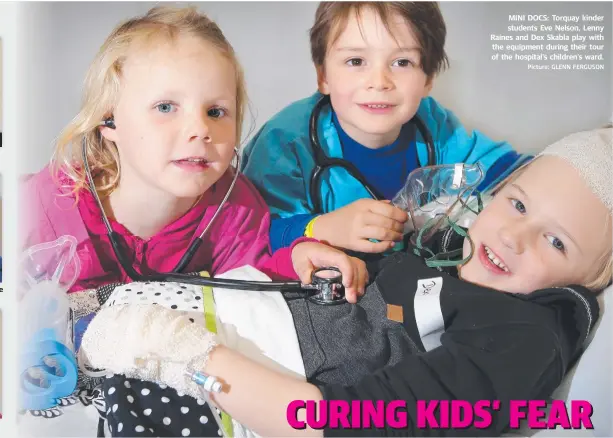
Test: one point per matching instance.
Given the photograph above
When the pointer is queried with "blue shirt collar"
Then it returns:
(348, 143)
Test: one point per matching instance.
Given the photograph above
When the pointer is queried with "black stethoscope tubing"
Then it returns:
(312, 291)
(323, 162)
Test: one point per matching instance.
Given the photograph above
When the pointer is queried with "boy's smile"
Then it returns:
(492, 261)
(377, 107)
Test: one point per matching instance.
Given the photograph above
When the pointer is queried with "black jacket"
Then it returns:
(495, 346)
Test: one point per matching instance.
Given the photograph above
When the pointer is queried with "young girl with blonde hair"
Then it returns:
(160, 123)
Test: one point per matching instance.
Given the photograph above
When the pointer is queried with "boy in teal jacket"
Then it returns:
(376, 62)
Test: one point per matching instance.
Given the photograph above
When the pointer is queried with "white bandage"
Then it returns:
(591, 153)
(148, 342)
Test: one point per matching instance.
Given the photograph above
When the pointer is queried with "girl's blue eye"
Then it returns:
(519, 206)
(165, 107)
(556, 243)
(216, 112)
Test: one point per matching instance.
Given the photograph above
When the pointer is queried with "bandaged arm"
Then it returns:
(157, 344)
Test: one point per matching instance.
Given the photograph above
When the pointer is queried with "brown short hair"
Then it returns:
(424, 18)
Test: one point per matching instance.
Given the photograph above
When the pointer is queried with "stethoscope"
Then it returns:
(323, 162)
(326, 286)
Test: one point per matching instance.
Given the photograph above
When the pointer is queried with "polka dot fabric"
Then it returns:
(180, 297)
(139, 408)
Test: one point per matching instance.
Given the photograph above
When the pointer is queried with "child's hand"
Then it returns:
(148, 342)
(352, 226)
(307, 256)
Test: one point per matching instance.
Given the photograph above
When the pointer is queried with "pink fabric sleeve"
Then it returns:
(244, 239)
(34, 224)
(280, 264)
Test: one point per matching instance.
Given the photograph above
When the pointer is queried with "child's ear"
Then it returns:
(322, 84)
(108, 133)
(428, 87)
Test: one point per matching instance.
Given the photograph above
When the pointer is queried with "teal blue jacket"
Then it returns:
(279, 161)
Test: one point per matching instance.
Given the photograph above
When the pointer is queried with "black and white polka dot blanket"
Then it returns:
(138, 408)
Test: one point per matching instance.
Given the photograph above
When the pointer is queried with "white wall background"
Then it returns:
(506, 101)
(8, 326)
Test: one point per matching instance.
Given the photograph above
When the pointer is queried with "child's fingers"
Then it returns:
(327, 256)
(304, 271)
(360, 278)
(388, 210)
(351, 291)
(354, 292)
(343, 263)
(351, 295)
(383, 222)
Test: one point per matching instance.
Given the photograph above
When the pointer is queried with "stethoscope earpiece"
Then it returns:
(109, 123)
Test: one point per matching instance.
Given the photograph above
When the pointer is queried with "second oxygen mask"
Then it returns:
(48, 368)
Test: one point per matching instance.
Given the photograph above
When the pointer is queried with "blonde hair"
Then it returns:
(102, 85)
(604, 274)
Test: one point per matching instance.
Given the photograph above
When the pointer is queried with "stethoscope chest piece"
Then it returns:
(328, 282)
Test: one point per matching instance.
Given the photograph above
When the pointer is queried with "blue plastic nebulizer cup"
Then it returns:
(48, 366)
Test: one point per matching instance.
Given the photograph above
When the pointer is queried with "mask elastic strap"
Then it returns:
(419, 248)
(479, 199)
(434, 261)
